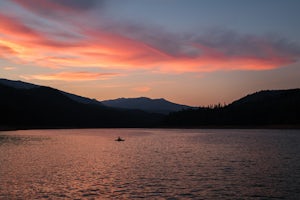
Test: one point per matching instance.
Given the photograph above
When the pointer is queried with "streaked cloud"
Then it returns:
(9, 68)
(107, 48)
(131, 46)
(72, 76)
(5, 49)
(46, 7)
(142, 89)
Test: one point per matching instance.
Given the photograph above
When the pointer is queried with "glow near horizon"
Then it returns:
(196, 53)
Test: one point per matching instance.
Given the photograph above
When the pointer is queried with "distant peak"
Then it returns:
(140, 98)
(159, 105)
(161, 99)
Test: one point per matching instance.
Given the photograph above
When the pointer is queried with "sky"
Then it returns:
(193, 52)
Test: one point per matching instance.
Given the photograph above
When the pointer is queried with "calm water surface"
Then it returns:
(150, 164)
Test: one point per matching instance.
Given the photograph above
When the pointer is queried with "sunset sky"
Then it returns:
(194, 52)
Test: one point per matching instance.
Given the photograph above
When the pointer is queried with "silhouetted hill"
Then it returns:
(269, 96)
(17, 84)
(45, 107)
(146, 104)
(25, 105)
(264, 108)
(24, 85)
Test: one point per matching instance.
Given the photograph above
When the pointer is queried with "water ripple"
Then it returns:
(150, 164)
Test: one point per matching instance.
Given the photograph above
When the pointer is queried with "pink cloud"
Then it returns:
(13, 29)
(99, 46)
(142, 89)
(9, 68)
(5, 50)
(72, 76)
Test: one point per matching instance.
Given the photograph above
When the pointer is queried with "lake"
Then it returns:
(150, 164)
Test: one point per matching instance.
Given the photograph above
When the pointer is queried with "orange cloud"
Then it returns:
(142, 89)
(73, 76)
(97, 47)
(9, 68)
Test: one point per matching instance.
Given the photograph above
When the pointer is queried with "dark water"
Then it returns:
(150, 164)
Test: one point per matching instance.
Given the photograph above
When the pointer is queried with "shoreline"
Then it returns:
(291, 127)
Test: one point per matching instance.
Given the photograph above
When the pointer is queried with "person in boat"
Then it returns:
(119, 139)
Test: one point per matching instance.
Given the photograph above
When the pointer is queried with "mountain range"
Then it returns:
(25, 105)
(146, 104)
